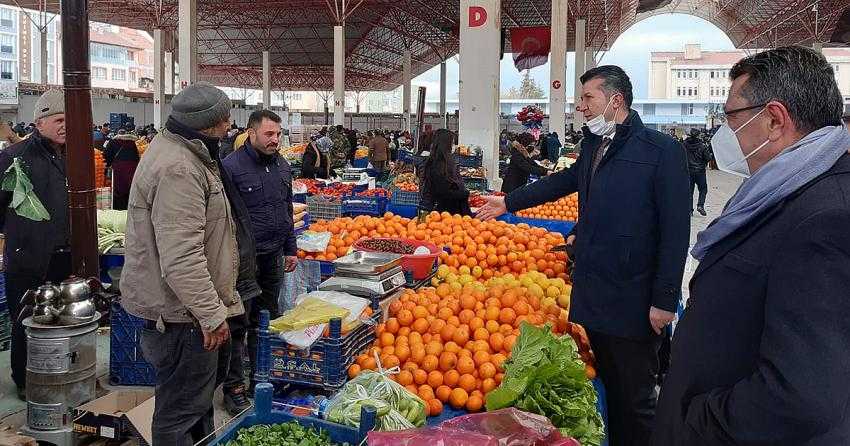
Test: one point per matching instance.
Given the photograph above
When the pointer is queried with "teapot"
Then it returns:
(41, 303)
(76, 303)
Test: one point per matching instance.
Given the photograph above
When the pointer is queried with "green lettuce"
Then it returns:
(24, 200)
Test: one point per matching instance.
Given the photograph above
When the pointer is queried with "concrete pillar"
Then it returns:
(159, 80)
(168, 72)
(578, 118)
(443, 118)
(405, 93)
(558, 69)
(589, 60)
(42, 44)
(480, 28)
(267, 80)
(818, 46)
(187, 27)
(339, 75)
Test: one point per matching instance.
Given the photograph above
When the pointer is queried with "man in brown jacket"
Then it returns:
(182, 263)
(379, 152)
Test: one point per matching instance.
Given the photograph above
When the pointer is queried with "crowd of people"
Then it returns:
(758, 358)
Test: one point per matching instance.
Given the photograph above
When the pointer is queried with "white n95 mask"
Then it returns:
(727, 150)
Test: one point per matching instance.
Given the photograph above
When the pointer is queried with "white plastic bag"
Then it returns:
(311, 241)
(303, 339)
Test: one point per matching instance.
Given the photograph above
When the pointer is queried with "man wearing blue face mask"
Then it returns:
(630, 243)
(761, 355)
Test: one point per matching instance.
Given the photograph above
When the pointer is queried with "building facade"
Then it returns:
(697, 75)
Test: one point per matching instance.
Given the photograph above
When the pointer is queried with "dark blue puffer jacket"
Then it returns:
(265, 184)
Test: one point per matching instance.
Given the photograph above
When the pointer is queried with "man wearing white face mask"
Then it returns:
(761, 355)
(630, 242)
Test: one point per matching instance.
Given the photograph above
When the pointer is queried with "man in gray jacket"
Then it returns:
(182, 264)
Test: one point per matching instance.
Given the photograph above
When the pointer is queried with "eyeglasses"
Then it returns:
(726, 114)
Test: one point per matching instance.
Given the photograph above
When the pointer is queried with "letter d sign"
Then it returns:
(477, 16)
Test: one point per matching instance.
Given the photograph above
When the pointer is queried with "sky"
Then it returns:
(631, 51)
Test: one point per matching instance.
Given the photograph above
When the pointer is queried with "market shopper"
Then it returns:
(121, 154)
(630, 244)
(314, 163)
(699, 155)
(181, 264)
(442, 186)
(760, 356)
(264, 180)
(379, 152)
(521, 165)
(36, 251)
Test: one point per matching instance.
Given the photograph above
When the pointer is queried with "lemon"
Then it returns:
(564, 301)
(443, 271)
(435, 281)
(456, 286)
(466, 278)
(526, 281)
(463, 270)
(535, 290)
(477, 271)
(451, 278)
(553, 291)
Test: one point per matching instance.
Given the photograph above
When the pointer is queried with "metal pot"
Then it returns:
(77, 289)
(41, 304)
(77, 312)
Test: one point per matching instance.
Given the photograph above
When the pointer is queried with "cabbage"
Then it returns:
(111, 226)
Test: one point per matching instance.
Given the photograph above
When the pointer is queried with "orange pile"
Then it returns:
(450, 344)
(407, 186)
(100, 170)
(565, 208)
(495, 247)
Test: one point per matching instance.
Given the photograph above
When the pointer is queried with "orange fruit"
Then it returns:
(491, 313)
(402, 351)
(448, 361)
(465, 364)
(510, 340)
(404, 377)
(437, 326)
(466, 315)
(417, 353)
(507, 316)
(425, 392)
(467, 302)
(467, 382)
(451, 378)
(430, 363)
(481, 334)
(451, 347)
(498, 360)
(420, 376)
(404, 331)
(497, 342)
(420, 312)
(443, 392)
(476, 322)
(458, 398)
(421, 325)
(435, 378)
(370, 364)
(506, 329)
(390, 361)
(487, 385)
(405, 317)
(361, 359)
(474, 403)
(492, 326)
(486, 370)
(434, 348)
(480, 345)
(480, 357)
(435, 407)
(412, 389)
(387, 339)
(392, 325)
(461, 336)
(353, 370)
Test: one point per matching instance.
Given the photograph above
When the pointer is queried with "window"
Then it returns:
(108, 52)
(7, 18)
(132, 76)
(119, 74)
(7, 69)
(711, 75)
(98, 73)
(7, 44)
(690, 110)
(835, 68)
(296, 96)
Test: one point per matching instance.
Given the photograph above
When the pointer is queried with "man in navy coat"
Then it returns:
(762, 353)
(630, 243)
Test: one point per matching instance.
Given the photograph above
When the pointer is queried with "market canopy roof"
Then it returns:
(298, 33)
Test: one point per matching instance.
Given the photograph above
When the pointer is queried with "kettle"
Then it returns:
(41, 303)
(76, 302)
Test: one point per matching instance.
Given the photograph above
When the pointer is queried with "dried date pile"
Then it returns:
(384, 245)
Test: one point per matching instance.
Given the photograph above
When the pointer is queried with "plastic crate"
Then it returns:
(354, 205)
(325, 363)
(403, 210)
(324, 208)
(127, 366)
(472, 183)
(561, 226)
(360, 163)
(300, 198)
(403, 197)
(469, 161)
(263, 414)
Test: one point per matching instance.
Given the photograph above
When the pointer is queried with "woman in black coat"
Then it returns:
(521, 165)
(314, 163)
(442, 186)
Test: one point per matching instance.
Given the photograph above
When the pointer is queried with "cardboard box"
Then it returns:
(120, 414)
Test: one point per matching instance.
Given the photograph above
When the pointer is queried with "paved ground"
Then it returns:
(13, 412)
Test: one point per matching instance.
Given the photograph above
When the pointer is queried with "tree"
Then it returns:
(529, 88)
(512, 93)
(326, 96)
(359, 97)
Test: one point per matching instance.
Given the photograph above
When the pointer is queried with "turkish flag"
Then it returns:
(530, 46)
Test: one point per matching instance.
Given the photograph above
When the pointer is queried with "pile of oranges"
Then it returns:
(494, 248)
(565, 208)
(450, 344)
(100, 170)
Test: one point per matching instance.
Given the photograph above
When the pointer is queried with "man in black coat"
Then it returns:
(761, 355)
(630, 244)
(36, 251)
(698, 157)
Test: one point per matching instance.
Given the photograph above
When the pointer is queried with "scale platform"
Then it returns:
(368, 285)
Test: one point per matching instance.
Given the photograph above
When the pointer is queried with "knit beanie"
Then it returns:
(52, 102)
(200, 106)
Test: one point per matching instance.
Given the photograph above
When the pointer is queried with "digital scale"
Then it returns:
(368, 274)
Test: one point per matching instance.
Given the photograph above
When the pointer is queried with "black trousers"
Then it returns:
(698, 179)
(16, 285)
(186, 378)
(269, 278)
(239, 327)
(628, 369)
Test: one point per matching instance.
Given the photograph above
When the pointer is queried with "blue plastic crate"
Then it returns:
(399, 196)
(325, 363)
(355, 205)
(564, 227)
(360, 163)
(300, 198)
(404, 210)
(479, 184)
(127, 366)
(263, 414)
(469, 161)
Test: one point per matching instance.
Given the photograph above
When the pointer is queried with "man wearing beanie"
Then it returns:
(181, 264)
(36, 251)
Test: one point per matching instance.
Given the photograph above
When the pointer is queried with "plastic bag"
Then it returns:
(506, 427)
(308, 312)
(306, 277)
(305, 336)
(310, 241)
(397, 408)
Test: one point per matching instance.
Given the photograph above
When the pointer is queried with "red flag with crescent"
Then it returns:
(530, 46)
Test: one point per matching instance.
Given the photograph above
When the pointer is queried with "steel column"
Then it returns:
(158, 80)
(188, 41)
(267, 80)
(339, 74)
(558, 69)
(578, 118)
(443, 118)
(405, 93)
